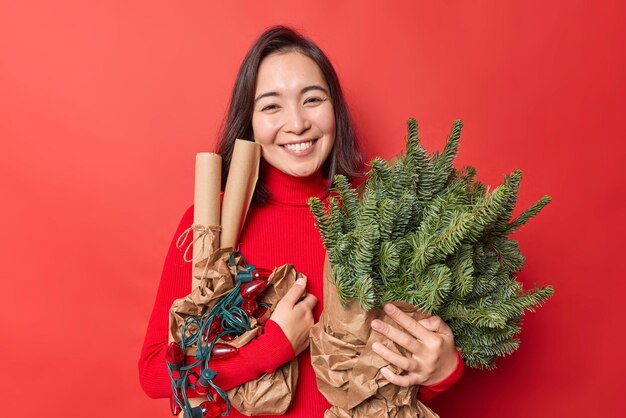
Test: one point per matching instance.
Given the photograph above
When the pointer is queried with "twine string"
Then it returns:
(203, 233)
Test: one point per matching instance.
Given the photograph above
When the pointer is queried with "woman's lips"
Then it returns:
(300, 149)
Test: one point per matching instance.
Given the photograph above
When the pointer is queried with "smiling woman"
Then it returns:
(288, 99)
(293, 119)
(279, 42)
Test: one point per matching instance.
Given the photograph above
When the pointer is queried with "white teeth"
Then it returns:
(299, 147)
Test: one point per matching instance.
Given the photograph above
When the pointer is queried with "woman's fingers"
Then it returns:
(394, 358)
(308, 302)
(413, 327)
(395, 335)
(295, 316)
(405, 380)
(297, 290)
(436, 324)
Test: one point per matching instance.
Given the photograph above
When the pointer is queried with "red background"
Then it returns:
(103, 105)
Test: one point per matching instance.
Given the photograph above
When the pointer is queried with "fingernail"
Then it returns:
(377, 347)
(423, 322)
(376, 324)
(384, 372)
(301, 281)
(389, 308)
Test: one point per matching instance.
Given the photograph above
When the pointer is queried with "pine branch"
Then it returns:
(322, 220)
(349, 201)
(528, 214)
(435, 237)
(443, 165)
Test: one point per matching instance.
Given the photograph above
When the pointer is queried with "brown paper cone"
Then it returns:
(347, 369)
(242, 177)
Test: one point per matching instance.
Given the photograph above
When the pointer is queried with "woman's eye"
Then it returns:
(314, 100)
(269, 108)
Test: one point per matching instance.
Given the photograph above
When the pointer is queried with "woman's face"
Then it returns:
(293, 118)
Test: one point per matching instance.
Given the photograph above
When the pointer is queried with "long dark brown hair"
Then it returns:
(345, 158)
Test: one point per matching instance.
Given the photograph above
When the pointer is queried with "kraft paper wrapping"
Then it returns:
(206, 211)
(348, 371)
(271, 393)
(242, 177)
(212, 277)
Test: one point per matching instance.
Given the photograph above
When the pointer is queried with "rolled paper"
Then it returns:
(206, 211)
(242, 177)
(207, 189)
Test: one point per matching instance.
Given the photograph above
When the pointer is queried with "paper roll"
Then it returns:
(206, 210)
(242, 177)
(207, 189)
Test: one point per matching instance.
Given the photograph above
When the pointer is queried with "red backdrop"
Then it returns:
(104, 104)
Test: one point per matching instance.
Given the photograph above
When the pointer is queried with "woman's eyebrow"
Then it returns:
(313, 87)
(304, 90)
(268, 94)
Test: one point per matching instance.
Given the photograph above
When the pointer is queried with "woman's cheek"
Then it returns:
(265, 131)
(324, 117)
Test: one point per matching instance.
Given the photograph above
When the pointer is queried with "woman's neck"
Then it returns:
(290, 190)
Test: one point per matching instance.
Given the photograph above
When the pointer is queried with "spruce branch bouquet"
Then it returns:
(425, 233)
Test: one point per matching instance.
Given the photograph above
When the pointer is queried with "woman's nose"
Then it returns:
(296, 120)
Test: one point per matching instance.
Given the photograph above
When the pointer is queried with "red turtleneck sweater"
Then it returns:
(281, 231)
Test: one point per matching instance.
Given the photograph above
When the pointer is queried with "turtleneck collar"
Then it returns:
(289, 190)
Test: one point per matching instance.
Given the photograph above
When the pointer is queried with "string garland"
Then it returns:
(226, 320)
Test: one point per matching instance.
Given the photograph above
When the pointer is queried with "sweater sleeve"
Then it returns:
(426, 393)
(252, 359)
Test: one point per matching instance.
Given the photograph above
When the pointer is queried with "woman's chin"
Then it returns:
(296, 170)
(300, 172)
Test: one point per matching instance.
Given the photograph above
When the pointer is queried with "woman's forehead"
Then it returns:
(288, 72)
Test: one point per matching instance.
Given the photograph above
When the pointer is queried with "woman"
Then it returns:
(288, 98)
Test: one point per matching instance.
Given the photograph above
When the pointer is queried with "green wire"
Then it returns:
(234, 320)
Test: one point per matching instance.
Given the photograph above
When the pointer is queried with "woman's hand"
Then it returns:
(295, 317)
(430, 342)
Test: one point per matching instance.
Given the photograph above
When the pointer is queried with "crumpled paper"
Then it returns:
(348, 370)
(271, 393)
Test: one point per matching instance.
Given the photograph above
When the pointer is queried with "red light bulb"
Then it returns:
(218, 399)
(203, 384)
(174, 407)
(175, 355)
(263, 314)
(201, 388)
(210, 409)
(221, 403)
(250, 306)
(253, 289)
(228, 337)
(207, 409)
(223, 351)
(261, 274)
(216, 328)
